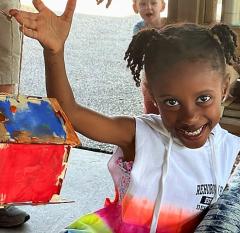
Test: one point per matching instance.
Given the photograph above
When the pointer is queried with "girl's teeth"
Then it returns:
(194, 133)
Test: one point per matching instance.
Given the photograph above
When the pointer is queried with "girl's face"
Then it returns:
(149, 10)
(189, 98)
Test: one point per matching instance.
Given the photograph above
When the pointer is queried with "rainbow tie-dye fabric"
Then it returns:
(106, 220)
(109, 220)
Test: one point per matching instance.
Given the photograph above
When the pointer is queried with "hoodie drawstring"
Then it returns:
(213, 167)
(157, 206)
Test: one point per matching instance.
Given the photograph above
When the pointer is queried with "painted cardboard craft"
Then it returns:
(35, 141)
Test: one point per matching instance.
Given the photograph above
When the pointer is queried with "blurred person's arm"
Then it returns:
(10, 47)
(108, 2)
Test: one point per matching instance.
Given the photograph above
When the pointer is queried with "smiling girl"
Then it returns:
(166, 169)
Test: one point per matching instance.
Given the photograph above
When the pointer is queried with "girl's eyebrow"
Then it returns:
(197, 94)
(166, 96)
(206, 91)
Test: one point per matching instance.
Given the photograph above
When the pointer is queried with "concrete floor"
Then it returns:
(87, 182)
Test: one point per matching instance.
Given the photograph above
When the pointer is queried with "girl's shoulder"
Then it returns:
(150, 130)
(152, 121)
(226, 139)
(221, 133)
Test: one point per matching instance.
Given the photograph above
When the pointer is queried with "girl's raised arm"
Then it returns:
(52, 31)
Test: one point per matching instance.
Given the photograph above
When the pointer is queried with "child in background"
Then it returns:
(167, 169)
(150, 11)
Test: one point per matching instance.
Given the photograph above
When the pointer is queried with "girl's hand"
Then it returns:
(108, 2)
(48, 28)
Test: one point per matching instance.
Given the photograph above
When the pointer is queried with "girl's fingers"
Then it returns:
(69, 10)
(31, 16)
(30, 24)
(23, 14)
(13, 12)
(25, 18)
(39, 5)
(29, 32)
(28, 20)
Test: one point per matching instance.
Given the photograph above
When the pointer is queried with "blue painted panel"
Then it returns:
(36, 117)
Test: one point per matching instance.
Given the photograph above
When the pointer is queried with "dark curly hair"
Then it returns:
(157, 50)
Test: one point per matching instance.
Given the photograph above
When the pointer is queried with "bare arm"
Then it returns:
(115, 130)
(52, 32)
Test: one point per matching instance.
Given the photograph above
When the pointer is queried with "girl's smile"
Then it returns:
(189, 98)
(191, 134)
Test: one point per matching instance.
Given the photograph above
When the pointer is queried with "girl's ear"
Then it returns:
(163, 6)
(226, 87)
(229, 80)
(134, 6)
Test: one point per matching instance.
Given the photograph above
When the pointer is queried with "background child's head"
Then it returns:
(149, 10)
(185, 66)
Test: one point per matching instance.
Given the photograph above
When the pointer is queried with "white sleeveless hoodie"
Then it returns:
(170, 183)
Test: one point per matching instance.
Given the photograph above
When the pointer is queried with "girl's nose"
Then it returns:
(189, 115)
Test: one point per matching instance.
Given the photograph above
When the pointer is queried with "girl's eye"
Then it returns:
(203, 98)
(171, 102)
